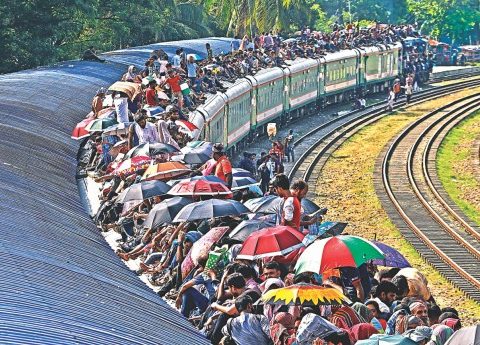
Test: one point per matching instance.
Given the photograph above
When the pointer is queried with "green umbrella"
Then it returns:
(99, 125)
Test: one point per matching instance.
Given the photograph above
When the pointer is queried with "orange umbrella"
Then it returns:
(165, 171)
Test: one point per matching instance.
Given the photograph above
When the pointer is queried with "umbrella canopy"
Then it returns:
(203, 245)
(187, 125)
(248, 227)
(392, 257)
(210, 178)
(238, 172)
(265, 204)
(465, 336)
(382, 339)
(118, 129)
(143, 190)
(338, 251)
(129, 166)
(304, 295)
(80, 132)
(309, 206)
(334, 228)
(130, 89)
(98, 125)
(210, 209)
(150, 150)
(199, 188)
(198, 153)
(197, 143)
(165, 211)
(268, 242)
(243, 182)
(165, 171)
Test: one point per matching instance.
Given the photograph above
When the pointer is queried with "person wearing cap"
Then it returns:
(223, 169)
(145, 131)
(97, 102)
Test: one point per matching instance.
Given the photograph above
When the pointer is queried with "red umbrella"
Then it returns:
(131, 165)
(186, 125)
(279, 240)
(199, 187)
(79, 132)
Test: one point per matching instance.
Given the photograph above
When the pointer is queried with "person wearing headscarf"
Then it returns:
(346, 317)
(97, 102)
(407, 322)
(363, 311)
(440, 335)
(164, 135)
(454, 324)
(447, 315)
(420, 310)
(130, 75)
(420, 334)
(144, 131)
(312, 327)
(282, 329)
(363, 331)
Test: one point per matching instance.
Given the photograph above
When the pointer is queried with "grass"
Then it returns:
(346, 188)
(455, 167)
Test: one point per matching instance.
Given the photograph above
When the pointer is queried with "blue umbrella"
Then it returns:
(247, 227)
(334, 228)
(392, 257)
(165, 211)
(143, 190)
(238, 172)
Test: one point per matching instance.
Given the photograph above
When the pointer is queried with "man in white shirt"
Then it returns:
(120, 102)
(145, 131)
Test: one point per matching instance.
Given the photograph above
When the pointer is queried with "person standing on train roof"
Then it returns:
(176, 60)
(291, 208)
(120, 101)
(209, 51)
(223, 169)
(97, 102)
(192, 70)
(151, 97)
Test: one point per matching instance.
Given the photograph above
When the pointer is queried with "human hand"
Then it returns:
(178, 302)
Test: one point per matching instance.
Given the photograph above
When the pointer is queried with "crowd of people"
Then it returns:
(185, 218)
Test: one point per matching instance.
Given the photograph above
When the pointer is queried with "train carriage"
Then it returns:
(379, 65)
(238, 111)
(268, 95)
(211, 117)
(301, 83)
(340, 71)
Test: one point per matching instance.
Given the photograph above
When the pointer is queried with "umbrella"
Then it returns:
(392, 257)
(197, 143)
(309, 206)
(129, 88)
(248, 227)
(333, 228)
(198, 153)
(165, 211)
(148, 149)
(243, 182)
(98, 125)
(143, 190)
(338, 251)
(238, 172)
(187, 125)
(210, 178)
(79, 132)
(382, 339)
(129, 166)
(210, 209)
(203, 245)
(165, 171)
(304, 295)
(265, 204)
(117, 129)
(199, 188)
(196, 57)
(279, 240)
(465, 336)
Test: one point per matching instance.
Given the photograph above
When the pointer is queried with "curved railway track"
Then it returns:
(458, 257)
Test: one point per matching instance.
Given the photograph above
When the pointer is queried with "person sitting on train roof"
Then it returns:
(144, 131)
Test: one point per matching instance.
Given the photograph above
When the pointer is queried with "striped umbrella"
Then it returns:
(80, 132)
(304, 295)
(338, 251)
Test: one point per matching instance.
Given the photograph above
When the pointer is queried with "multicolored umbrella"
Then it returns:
(268, 242)
(304, 295)
(248, 227)
(165, 171)
(200, 188)
(338, 251)
(143, 190)
(212, 208)
(165, 211)
(392, 257)
(130, 166)
(118, 129)
(243, 182)
(80, 132)
(187, 125)
(266, 204)
(150, 150)
(98, 125)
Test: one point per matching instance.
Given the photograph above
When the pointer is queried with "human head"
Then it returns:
(141, 118)
(271, 270)
(434, 313)
(420, 310)
(236, 284)
(402, 286)
(190, 238)
(299, 189)
(152, 84)
(207, 45)
(191, 59)
(244, 304)
(246, 271)
(218, 151)
(386, 292)
(281, 184)
(374, 308)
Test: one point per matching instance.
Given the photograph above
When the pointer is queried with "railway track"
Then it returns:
(415, 201)
(464, 239)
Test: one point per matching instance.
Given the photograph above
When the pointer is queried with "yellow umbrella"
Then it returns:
(305, 295)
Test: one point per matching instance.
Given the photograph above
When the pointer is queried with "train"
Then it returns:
(279, 95)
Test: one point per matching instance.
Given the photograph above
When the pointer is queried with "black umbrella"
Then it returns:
(211, 209)
(265, 204)
(243, 182)
(143, 190)
(247, 227)
(165, 211)
(309, 206)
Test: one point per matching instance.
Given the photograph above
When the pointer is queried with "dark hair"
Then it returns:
(375, 305)
(235, 280)
(246, 271)
(447, 315)
(281, 180)
(402, 285)
(386, 287)
(338, 338)
(302, 278)
(242, 302)
(299, 185)
(434, 311)
(272, 265)
(450, 310)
